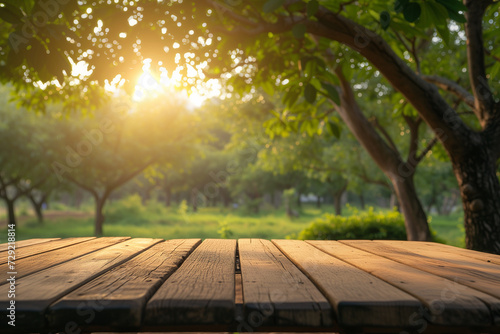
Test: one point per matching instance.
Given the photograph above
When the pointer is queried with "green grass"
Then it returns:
(450, 228)
(129, 218)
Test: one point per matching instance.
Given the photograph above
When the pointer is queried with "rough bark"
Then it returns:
(480, 192)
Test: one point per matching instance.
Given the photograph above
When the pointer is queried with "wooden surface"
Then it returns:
(44, 247)
(275, 291)
(123, 291)
(24, 243)
(35, 263)
(359, 299)
(200, 292)
(119, 284)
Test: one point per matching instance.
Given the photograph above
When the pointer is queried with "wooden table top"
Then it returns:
(122, 284)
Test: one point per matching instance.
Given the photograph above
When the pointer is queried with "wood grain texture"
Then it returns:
(436, 248)
(276, 292)
(117, 298)
(45, 247)
(28, 242)
(447, 303)
(464, 270)
(45, 260)
(359, 299)
(34, 293)
(200, 292)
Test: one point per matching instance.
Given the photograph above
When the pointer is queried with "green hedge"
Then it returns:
(365, 225)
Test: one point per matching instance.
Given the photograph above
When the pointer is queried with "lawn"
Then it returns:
(129, 218)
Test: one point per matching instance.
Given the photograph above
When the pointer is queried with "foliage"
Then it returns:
(126, 208)
(224, 230)
(366, 225)
(183, 207)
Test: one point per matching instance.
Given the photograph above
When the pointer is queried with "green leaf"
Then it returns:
(334, 129)
(453, 5)
(10, 13)
(333, 94)
(457, 17)
(312, 7)
(385, 19)
(399, 5)
(299, 30)
(412, 12)
(272, 5)
(310, 93)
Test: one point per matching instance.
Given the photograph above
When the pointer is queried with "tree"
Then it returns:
(239, 37)
(23, 166)
(472, 151)
(101, 154)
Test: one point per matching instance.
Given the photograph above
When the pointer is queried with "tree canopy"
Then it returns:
(315, 54)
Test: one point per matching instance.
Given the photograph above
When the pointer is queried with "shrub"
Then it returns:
(125, 209)
(366, 225)
(183, 207)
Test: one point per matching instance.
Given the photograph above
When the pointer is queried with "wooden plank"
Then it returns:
(436, 247)
(359, 299)
(28, 242)
(45, 247)
(36, 263)
(447, 302)
(474, 273)
(200, 292)
(117, 298)
(276, 292)
(34, 293)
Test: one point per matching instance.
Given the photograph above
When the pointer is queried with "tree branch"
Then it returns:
(422, 155)
(384, 133)
(414, 125)
(424, 96)
(81, 185)
(483, 96)
(452, 87)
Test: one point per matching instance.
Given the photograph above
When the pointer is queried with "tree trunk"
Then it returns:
(362, 201)
(480, 192)
(299, 202)
(385, 155)
(99, 216)
(417, 228)
(318, 202)
(37, 206)
(168, 196)
(226, 199)
(393, 201)
(11, 212)
(337, 199)
(337, 203)
(194, 199)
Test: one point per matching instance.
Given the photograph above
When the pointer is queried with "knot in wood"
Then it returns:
(468, 190)
(477, 205)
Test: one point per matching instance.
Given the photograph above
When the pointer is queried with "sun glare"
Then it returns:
(149, 85)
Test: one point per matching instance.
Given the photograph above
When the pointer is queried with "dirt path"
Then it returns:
(49, 214)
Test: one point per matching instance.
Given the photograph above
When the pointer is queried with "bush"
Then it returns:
(124, 209)
(366, 225)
